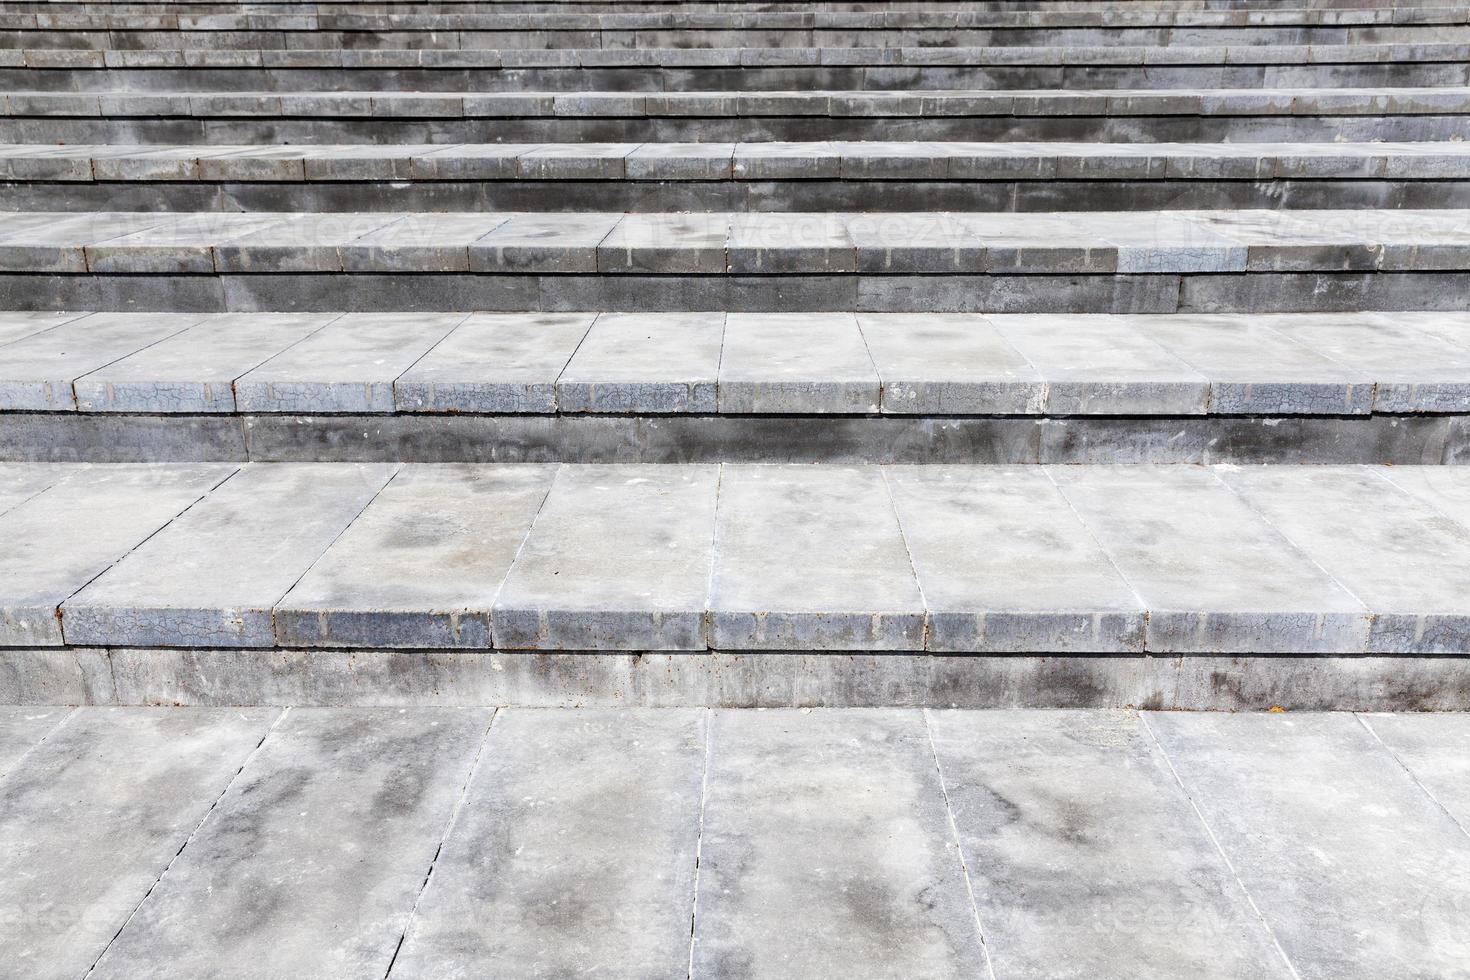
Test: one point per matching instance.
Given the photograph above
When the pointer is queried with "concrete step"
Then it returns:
(585, 387)
(1141, 262)
(293, 70)
(1057, 560)
(745, 177)
(1109, 115)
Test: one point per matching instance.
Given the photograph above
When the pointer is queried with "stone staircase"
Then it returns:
(608, 353)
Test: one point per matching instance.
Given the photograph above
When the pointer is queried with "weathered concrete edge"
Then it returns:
(745, 679)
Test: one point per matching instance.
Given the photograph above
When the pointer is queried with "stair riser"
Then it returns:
(1143, 129)
(745, 680)
(76, 437)
(796, 195)
(877, 78)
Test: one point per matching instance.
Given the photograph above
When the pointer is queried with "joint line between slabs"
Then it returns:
(699, 838)
(1410, 773)
(1291, 967)
(40, 741)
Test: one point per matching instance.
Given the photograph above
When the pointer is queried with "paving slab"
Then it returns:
(574, 853)
(93, 816)
(54, 242)
(657, 363)
(22, 728)
(1434, 750)
(835, 820)
(1413, 370)
(20, 482)
(1213, 574)
(1313, 814)
(1254, 369)
(194, 370)
(1407, 562)
(36, 373)
(666, 243)
(1085, 856)
(811, 558)
(422, 242)
(1006, 565)
(59, 540)
(796, 363)
(771, 243)
(380, 784)
(302, 243)
(350, 365)
(543, 243)
(494, 362)
(1098, 366)
(184, 245)
(421, 565)
(618, 559)
(212, 577)
(949, 364)
(18, 324)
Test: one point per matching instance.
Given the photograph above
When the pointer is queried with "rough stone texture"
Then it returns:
(796, 364)
(1086, 857)
(949, 365)
(213, 576)
(94, 815)
(653, 363)
(380, 784)
(565, 858)
(835, 820)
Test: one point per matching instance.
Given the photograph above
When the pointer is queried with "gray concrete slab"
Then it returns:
(259, 879)
(1087, 859)
(212, 577)
(18, 324)
(421, 565)
(1098, 366)
(773, 243)
(59, 540)
(181, 246)
(1404, 560)
(811, 558)
(36, 373)
(796, 363)
(1435, 749)
(827, 850)
(92, 818)
(1314, 814)
(618, 559)
(194, 371)
(1254, 369)
(666, 243)
(566, 859)
(949, 364)
(22, 728)
(1006, 565)
(423, 242)
(20, 482)
(1213, 574)
(494, 362)
(348, 366)
(656, 363)
(543, 243)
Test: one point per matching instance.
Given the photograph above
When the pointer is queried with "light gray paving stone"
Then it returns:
(184, 245)
(1005, 564)
(380, 784)
(680, 161)
(1403, 559)
(303, 243)
(949, 364)
(1035, 243)
(55, 242)
(212, 577)
(494, 362)
(1085, 856)
(17, 325)
(1445, 488)
(1314, 814)
(543, 243)
(645, 362)
(1413, 371)
(811, 558)
(36, 373)
(618, 559)
(349, 365)
(423, 242)
(1213, 574)
(574, 161)
(899, 244)
(1436, 751)
(93, 816)
(835, 820)
(59, 540)
(195, 370)
(1254, 369)
(666, 243)
(583, 866)
(22, 728)
(1097, 365)
(421, 565)
(800, 363)
(20, 482)
(471, 161)
(772, 243)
